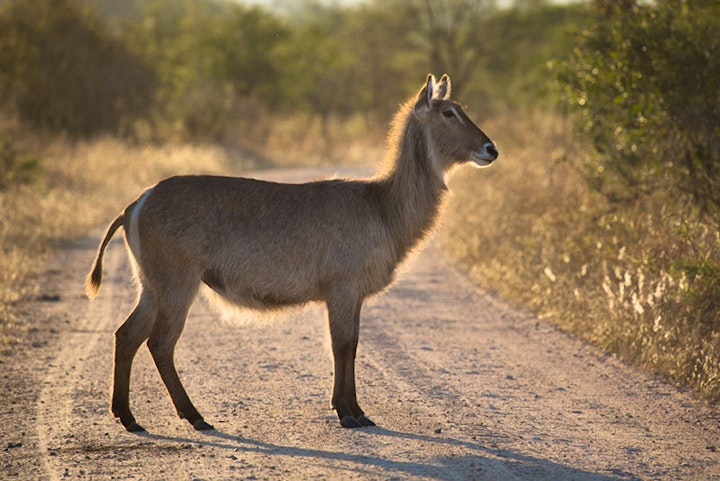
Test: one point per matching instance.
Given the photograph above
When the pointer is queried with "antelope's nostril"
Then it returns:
(491, 150)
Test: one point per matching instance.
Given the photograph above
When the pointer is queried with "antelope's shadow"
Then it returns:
(480, 457)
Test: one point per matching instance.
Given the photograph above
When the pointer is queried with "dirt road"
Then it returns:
(461, 385)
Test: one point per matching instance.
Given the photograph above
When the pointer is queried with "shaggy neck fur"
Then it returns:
(411, 184)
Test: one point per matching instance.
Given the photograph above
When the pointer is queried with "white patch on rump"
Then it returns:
(133, 233)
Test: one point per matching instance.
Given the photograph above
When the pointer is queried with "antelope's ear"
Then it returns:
(444, 89)
(425, 96)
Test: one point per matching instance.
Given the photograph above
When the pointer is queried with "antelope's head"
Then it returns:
(452, 137)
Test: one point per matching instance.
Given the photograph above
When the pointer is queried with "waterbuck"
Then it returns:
(265, 245)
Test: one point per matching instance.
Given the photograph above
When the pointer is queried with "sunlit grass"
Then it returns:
(308, 140)
(82, 186)
(641, 281)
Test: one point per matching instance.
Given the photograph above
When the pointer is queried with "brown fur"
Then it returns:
(266, 245)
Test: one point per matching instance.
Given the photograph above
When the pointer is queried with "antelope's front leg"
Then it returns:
(344, 317)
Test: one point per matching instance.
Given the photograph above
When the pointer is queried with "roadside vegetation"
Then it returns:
(614, 233)
(602, 214)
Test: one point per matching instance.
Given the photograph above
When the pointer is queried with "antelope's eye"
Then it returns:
(449, 113)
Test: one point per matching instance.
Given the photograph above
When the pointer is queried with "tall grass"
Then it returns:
(638, 280)
(82, 185)
(302, 139)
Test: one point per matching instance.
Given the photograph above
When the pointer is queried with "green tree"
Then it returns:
(319, 66)
(249, 40)
(60, 69)
(519, 44)
(449, 35)
(209, 58)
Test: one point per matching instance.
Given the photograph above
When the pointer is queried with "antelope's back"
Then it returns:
(275, 240)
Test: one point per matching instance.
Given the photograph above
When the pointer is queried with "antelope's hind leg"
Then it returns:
(128, 338)
(171, 317)
(344, 317)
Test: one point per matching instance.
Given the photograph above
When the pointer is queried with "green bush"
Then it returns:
(17, 167)
(644, 77)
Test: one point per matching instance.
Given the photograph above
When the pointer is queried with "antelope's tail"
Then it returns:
(94, 278)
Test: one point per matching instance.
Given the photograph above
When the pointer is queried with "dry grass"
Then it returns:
(641, 281)
(82, 186)
(305, 140)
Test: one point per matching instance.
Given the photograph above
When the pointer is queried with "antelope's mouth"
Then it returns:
(485, 156)
(483, 159)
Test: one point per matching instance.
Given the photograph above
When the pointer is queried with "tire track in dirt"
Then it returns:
(77, 435)
(73, 396)
(57, 399)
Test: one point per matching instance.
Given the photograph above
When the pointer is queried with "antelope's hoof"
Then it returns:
(134, 427)
(365, 421)
(201, 425)
(351, 422)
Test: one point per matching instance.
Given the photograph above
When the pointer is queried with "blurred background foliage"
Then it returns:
(602, 216)
(193, 68)
(61, 69)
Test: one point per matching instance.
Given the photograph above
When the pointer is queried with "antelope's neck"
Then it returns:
(412, 192)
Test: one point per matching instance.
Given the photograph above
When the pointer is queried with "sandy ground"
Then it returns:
(462, 386)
